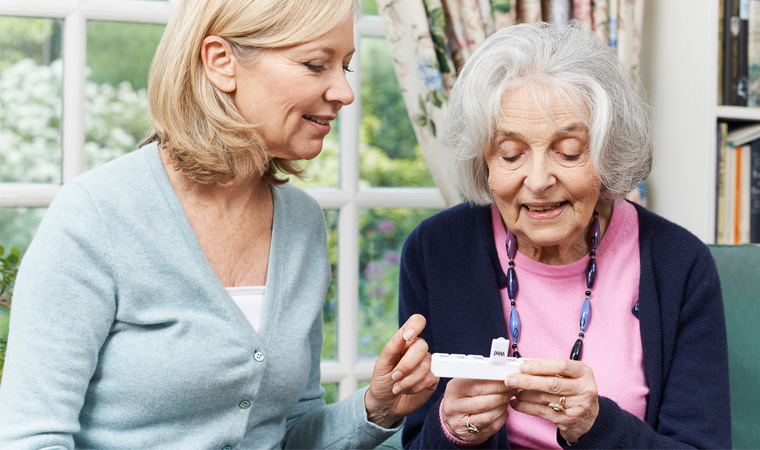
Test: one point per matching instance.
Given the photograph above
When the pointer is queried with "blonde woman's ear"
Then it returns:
(219, 63)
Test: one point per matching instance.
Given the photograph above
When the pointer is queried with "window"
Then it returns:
(371, 179)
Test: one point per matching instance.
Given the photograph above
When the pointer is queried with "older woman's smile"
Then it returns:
(544, 211)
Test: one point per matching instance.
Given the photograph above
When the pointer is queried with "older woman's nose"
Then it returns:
(339, 90)
(539, 177)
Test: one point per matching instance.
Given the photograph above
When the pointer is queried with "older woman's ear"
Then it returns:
(219, 63)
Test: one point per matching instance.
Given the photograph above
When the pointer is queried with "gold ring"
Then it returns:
(559, 407)
(472, 429)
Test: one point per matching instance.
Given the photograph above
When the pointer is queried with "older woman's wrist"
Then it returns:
(449, 435)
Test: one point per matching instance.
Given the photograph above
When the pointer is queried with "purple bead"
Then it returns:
(591, 273)
(514, 325)
(515, 354)
(595, 234)
(585, 314)
(577, 352)
(511, 245)
(511, 283)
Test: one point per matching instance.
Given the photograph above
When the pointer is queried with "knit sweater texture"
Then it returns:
(450, 273)
(122, 337)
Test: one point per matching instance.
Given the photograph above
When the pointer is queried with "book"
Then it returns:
(742, 82)
(753, 54)
(743, 194)
(729, 187)
(720, 184)
(733, 33)
(721, 45)
(743, 135)
(754, 193)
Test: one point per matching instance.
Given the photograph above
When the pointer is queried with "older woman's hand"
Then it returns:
(401, 381)
(547, 381)
(480, 405)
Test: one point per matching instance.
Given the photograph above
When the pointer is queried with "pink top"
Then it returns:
(549, 301)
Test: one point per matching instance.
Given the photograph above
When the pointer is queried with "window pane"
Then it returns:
(323, 171)
(30, 100)
(330, 308)
(116, 114)
(369, 7)
(389, 153)
(381, 237)
(18, 225)
(331, 392)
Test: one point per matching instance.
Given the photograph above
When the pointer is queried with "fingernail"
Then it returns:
(396, 389)
(408, 334)
(396, 375)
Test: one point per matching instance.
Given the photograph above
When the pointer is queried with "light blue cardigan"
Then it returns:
(122, 336)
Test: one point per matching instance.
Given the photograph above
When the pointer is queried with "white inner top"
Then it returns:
(250, 300)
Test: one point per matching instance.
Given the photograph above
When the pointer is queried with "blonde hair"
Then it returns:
(199, 125)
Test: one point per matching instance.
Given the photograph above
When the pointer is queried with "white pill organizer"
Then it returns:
(477, 367)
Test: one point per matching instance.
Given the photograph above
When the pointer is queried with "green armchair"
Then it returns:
(739, 271)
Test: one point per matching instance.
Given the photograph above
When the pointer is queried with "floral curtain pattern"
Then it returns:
(430, 40)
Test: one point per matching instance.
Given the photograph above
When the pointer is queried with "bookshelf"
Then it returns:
(680, 74)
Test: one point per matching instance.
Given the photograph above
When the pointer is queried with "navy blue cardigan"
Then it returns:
(450, 273)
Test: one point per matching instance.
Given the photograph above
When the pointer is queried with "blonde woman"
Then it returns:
(172, 298)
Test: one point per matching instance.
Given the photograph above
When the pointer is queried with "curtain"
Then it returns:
(430, 40)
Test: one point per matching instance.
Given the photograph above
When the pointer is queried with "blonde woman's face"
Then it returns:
(294, 93)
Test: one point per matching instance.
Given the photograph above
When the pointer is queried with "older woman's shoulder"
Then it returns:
(464, 214)
(465, 221)
(661, 234)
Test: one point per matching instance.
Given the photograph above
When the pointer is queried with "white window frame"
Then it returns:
(349, 199)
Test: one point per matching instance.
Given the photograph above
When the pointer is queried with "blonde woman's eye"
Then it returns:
(314, 67)
(347, 69)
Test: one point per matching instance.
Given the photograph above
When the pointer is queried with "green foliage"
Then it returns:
(8, 269)
(136, 44)
(29, 38)
(385, 121)
(501, 6)
(382, 233)
(369, 7)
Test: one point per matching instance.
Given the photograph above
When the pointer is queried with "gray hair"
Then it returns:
(574, 63)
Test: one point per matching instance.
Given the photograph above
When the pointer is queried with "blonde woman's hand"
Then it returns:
(401, 381)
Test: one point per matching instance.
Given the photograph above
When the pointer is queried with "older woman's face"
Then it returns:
(294, 93)
(540, 172)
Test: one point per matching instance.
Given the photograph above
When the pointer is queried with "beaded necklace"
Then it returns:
(585, 316)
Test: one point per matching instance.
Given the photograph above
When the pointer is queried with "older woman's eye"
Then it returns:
(510, 159)
(315, 67)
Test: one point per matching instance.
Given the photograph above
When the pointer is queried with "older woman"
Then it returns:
(617, 311)
(172, 298)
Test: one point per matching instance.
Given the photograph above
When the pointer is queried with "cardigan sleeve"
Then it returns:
(62, 313)
(693, 407)
(341, 425)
